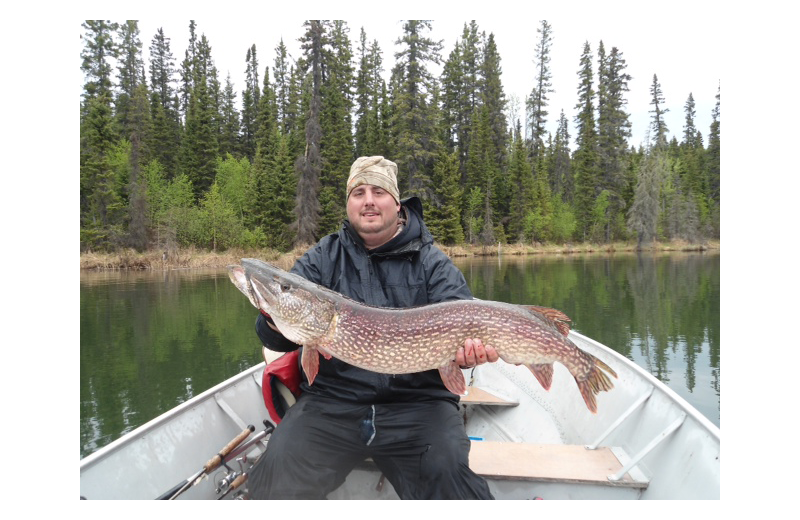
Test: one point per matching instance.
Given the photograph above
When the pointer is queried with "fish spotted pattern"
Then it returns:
(402, 341)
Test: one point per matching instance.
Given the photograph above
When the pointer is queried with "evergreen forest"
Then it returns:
(172, 155)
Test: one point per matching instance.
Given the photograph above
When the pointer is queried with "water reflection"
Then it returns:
(660, 310)
(152, 340)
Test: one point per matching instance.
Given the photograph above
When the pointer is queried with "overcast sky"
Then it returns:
(682, 54)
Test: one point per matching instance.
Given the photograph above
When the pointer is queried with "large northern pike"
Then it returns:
(415, 339)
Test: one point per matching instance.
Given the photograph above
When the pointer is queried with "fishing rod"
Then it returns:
(244, 447)
(209, 466)
(234, 480)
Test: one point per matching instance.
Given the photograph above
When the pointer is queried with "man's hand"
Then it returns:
(474, 353)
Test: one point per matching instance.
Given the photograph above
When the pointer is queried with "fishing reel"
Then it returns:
(229, 480)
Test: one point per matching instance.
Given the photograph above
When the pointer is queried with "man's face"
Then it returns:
(372, 212)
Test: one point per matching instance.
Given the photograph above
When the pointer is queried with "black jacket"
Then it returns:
(407, 271)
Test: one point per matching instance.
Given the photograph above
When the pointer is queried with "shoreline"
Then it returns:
(198, 258)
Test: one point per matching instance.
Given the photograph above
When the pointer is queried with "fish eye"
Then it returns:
(285, 287)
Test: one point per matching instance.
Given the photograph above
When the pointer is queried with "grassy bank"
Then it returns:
(191, 258)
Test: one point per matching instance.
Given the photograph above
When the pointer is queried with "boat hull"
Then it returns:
(675, 448)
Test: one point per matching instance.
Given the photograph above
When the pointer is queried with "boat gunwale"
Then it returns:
(100, 454)
(671, 394)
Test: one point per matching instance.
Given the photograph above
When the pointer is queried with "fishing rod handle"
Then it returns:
(238, 481)
(216, 460)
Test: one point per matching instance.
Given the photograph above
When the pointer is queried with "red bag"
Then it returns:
(280, 385)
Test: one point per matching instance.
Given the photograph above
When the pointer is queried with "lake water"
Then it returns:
(152, 340)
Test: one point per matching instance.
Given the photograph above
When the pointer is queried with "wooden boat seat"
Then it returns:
(548, 463)
(479, 396)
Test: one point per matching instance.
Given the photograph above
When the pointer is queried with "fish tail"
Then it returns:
(597, 381)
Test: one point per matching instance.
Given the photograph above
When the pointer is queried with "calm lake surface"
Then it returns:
(152, 340)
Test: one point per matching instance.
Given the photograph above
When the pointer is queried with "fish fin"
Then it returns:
(310, 362)
(597, 382)
(554, 316)
(588, 395)
(453, 378)
(543, 373)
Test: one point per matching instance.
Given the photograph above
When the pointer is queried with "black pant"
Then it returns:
(421, 448)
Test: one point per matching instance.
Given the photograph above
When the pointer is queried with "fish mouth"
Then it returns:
(264, 295)
(238, 276)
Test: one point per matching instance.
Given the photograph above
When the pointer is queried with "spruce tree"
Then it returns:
(130, 72)
(691, 153)
(309, 166)
(282, 82)
(613, 131)
(99, 202)
(229, 139)
(443, 219)
(283, 187)
(383, 115)
(712, 165)
(133, 113)
(98, 196)
(520, 173)
(471, 80)
(689, 128)
(412, 118)
(337, 143)
(266, 139)
(200, 142)
(364, 93)
(452, 90)
(538, 100)
(482, 173)
(99, 49)
(658, 126)
(377, 115)
(166, 131)
(585, 160)
(188, 66)
(559, 165)
(266, 118)
(162, 69)
(293, 122)
(493, 98)
(250, 104)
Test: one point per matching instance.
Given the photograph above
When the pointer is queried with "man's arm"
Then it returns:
(447, 282)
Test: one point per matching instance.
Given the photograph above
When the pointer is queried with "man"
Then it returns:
(409, 424)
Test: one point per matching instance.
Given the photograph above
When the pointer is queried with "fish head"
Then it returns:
(298, 307)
